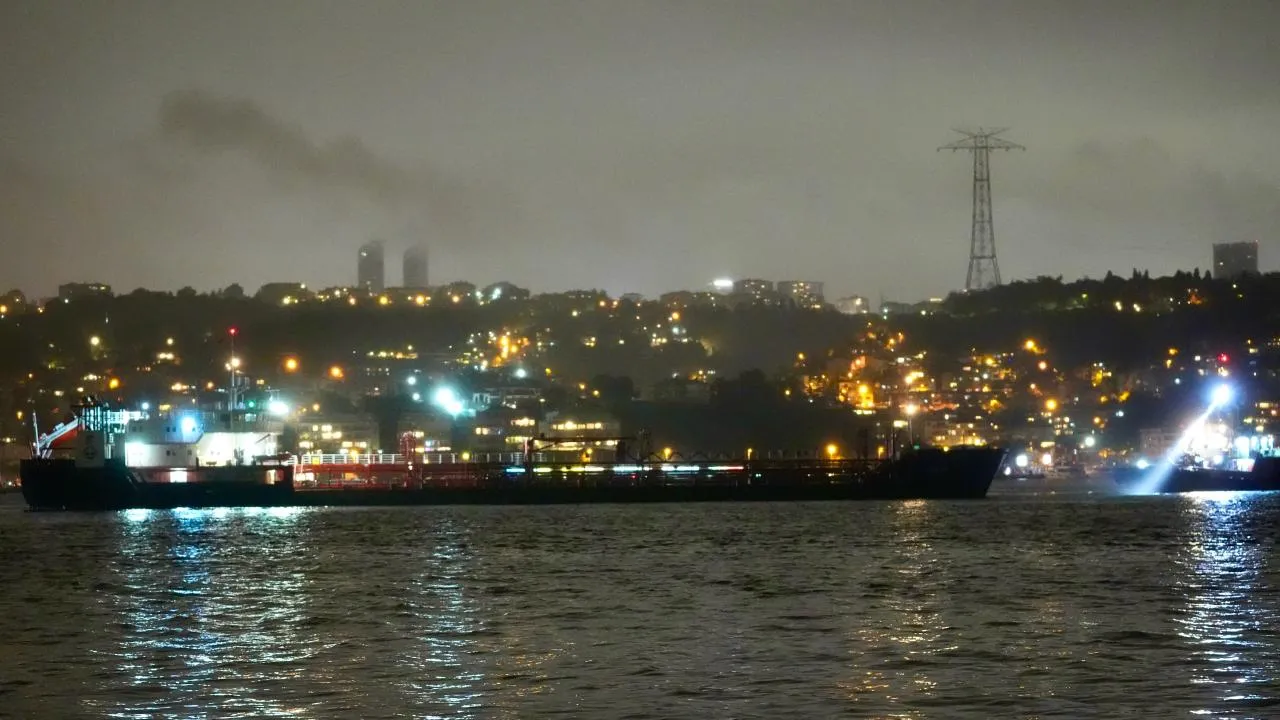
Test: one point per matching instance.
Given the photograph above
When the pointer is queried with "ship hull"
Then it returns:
(1264, 477)
(61, 485)
(962, 474)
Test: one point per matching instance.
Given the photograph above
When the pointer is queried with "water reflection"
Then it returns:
(905, 632)
(209, 622)
(1226, 617)
(926, 609)
(443, 622)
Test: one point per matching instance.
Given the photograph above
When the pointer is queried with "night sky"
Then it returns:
(628, 145)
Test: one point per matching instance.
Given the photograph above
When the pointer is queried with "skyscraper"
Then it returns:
(1231, 260)
(370, 267)
(415, 267)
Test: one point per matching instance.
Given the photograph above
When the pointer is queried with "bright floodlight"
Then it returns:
(1222, 394)
(521, 373)
(188, 425)
(447, 400)
(277, 408)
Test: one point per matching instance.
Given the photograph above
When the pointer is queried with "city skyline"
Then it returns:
(560, 147)
(721, 284)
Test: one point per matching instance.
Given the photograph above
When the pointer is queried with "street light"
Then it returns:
(911, 409)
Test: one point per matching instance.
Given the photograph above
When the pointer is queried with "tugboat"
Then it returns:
(1208, 457)
(1260, 473)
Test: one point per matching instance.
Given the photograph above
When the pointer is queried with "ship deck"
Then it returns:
(447, 470)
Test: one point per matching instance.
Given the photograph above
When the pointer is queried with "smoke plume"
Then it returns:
(212, 124)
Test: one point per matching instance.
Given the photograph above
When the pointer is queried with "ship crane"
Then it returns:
(91, 415)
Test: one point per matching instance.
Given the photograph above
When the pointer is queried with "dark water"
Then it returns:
(1020, 606)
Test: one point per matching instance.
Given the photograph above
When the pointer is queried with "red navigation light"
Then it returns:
(232, 331)
(1222, 358)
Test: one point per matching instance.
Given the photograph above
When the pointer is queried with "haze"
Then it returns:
(628, 145)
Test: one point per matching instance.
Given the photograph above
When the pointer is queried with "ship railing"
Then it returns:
(516, 460)
(437, 458)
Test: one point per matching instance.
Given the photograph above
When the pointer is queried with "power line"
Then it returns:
(984, 269)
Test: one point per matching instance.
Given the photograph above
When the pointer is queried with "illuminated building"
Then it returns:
(754, 288)
(1231, 260)
(75, 291)
(579, 433)
(853, 305)
(332, 433)
(509, 395)
(370, 267)
(682, 299)
(802, 292)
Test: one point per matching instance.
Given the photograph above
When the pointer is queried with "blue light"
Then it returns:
(447, 400)
(1222, 395)
(1155, 476)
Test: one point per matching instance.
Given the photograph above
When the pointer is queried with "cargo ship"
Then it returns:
(117, 460)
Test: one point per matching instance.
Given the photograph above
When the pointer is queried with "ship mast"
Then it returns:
(233, 397)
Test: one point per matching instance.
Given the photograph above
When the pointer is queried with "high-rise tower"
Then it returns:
(984, 270)
(370, 267)
(415, 267)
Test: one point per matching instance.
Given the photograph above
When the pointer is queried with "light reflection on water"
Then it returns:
(1020, 607)
(909, 631)
(443, 622)
(1224, 624)
(215, 623)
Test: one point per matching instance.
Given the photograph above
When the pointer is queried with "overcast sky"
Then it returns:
(631, 145)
